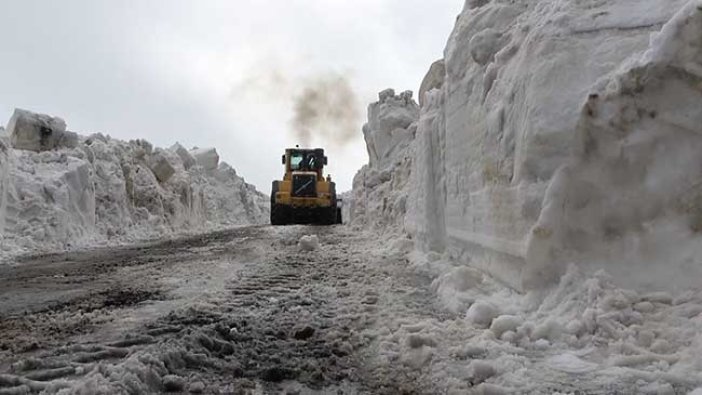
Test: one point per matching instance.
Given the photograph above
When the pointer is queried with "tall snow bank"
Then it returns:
(51, 199)
(584, 333)
(631, 200)
(5, 153)
(380, 188)
(104, 190)
(559, 133)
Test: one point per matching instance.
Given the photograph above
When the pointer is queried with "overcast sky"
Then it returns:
(220, 73)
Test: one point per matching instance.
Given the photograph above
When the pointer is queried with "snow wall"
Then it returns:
(552, 132)
(63, 190)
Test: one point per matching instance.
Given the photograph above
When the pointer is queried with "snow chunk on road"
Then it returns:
(418, 341)
(173, 383)
(505, 323)
(308, 243)
(197, 387)
(481, 313)
(549, 330)
(570, 363)
(479, 371)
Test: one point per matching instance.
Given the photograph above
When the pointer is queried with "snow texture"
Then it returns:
(346, 199)
(206, 157)
(257, 307)
(308, 243)
(481, 313)
(586, 333)
(57, 193)
(380, 188)
(550, 185)
(38, 132)
(561, 132)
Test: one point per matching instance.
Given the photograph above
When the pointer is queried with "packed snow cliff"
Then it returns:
(552, 132)
(549, 183)
(61, 190)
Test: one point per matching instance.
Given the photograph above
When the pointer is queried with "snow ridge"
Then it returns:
(380, 188)
(551, 189)
(551, 122)
(98, 190)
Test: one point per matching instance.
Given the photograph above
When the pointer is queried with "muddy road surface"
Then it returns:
(239, 311)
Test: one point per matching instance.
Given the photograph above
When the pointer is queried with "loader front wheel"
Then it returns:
(280, 214)
(325, 216)
(330, 216)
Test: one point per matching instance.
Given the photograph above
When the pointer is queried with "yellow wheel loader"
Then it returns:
(304, 196)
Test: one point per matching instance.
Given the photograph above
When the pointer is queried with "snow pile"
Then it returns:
(39, 132)
(380, 188)
(559, 132)
(633, 192)
(346, 203)
(50, 198)
(5, 155)
(59, 192)
(586, 334)
(308, 243)
(206, 157)
(553, 186)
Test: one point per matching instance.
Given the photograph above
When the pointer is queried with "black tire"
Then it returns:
(279, 214)
(325, 216)
(274, 190)
(277, 211)
(331, 215)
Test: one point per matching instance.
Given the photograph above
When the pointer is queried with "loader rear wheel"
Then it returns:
(280, 214)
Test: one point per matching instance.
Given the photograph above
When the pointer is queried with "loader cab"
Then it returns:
(304, 160)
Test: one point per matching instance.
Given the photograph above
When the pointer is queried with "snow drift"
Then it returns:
(553, 132)
(59, 189)
(380, 188)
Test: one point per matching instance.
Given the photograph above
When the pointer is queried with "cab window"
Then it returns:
(296, 160)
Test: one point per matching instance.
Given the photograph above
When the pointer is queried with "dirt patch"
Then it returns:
(54, 324)
(128, 297)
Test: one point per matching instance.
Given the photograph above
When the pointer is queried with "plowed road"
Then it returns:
(237, 311)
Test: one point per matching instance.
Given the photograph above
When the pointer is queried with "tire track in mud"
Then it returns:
(50, 301)
(288, 321)
(284, 320)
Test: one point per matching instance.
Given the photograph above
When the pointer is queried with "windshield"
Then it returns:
(300, 160)
(295, 159)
